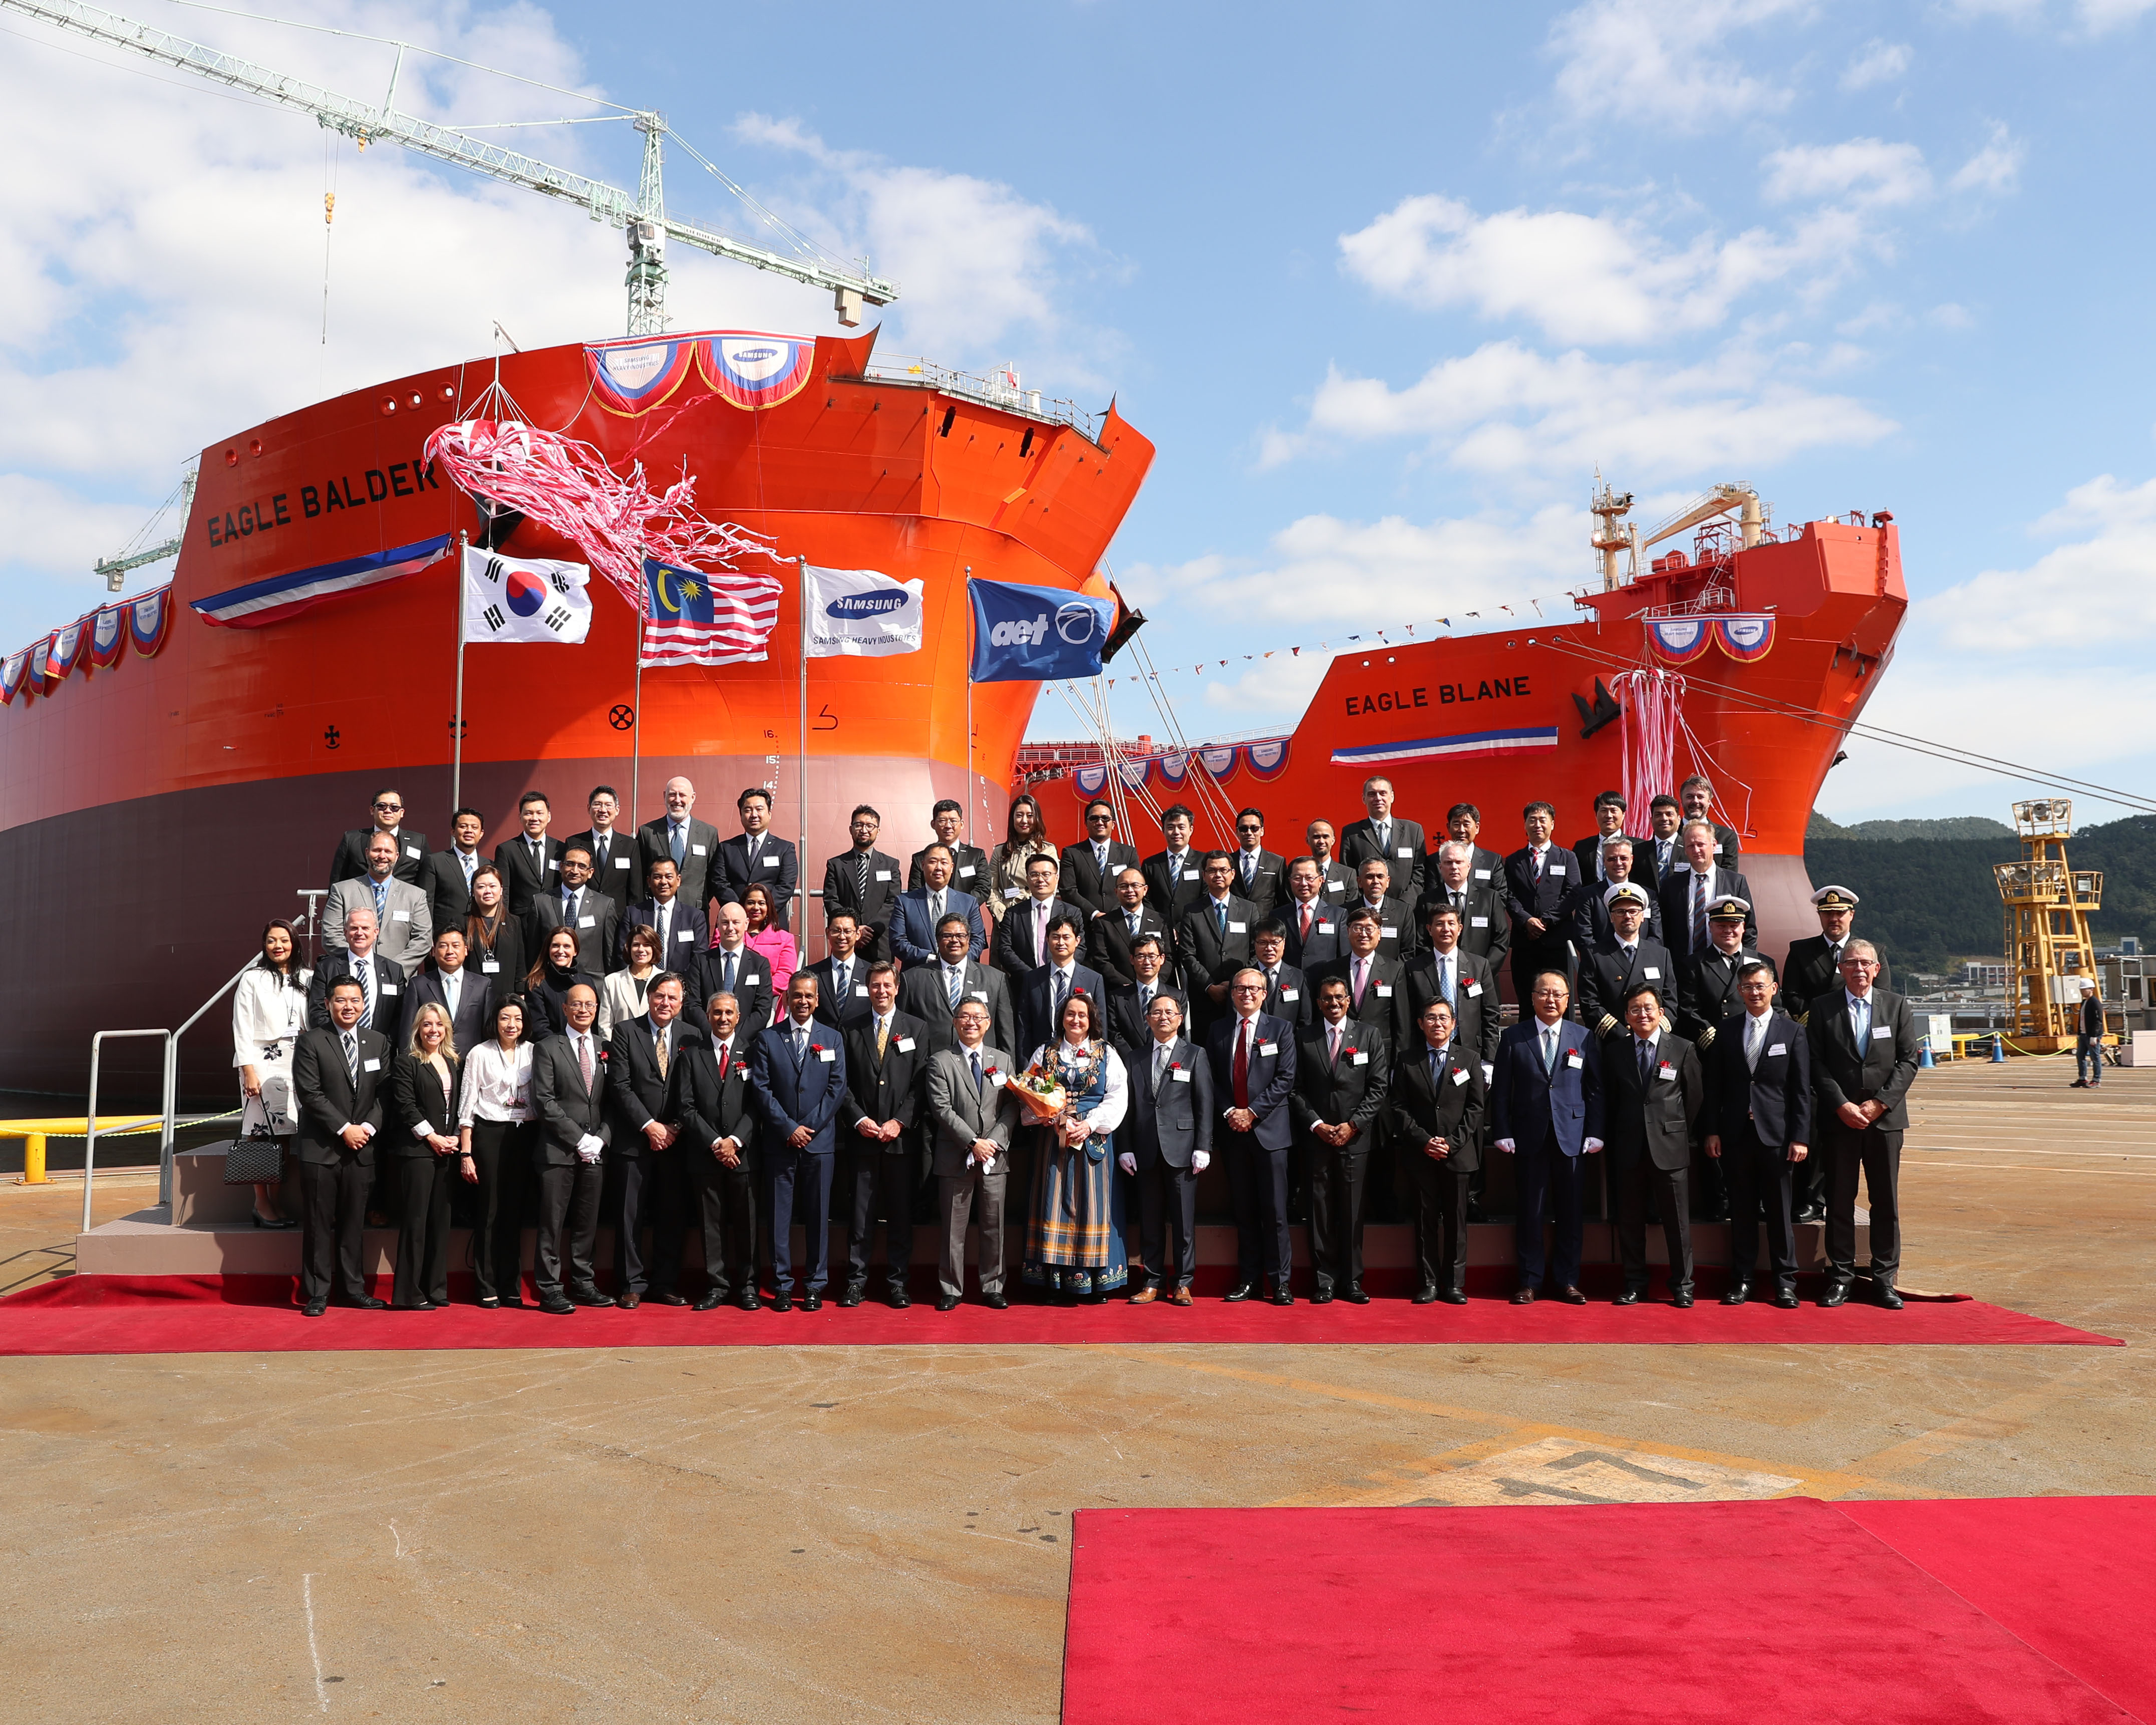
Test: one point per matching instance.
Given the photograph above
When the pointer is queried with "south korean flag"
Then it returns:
(524, 598)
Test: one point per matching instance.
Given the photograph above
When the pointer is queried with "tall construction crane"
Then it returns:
(641, 215)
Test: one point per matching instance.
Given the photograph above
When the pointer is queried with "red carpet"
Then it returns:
(95, 1314)
(1662, 1614)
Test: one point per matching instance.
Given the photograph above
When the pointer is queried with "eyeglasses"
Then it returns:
(1100, 820)
(385, 807)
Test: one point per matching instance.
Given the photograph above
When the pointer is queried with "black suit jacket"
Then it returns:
(1327, 939)
(474, 1020)
(327, 1100)
(1406, 856)
(700, 875)
(448, 897)
(969, 869)
(1707, 994)
(1881, 1072)
(413, 867)
(1810, 971)
(1108, 945)
(1170, 1121)
(636, 1093)
(1128, 1029)
(1476, 1025)
(1352, 1089)
(1404, 941)
(1080, 881)
(1384, 996)
(1270, 888)
(1659, 1120)
(1205, 955)
(1453, 1109)
(1485, 925)
(1776, 1096)
(708, 1110)
(417, 1099)
(524, 879)
(1674, 897)
(1168, 891)
(1035, 1005)
(619, 872)
(683, 957)
(872, 909)
(596, 943)
(389, 984)
(923, 994)
(1605, 975)
(830, 1008)
(753, 990)
(1548, 897)
(1288, 995)
(889, 1089)
(733, 876)
(1014, 953)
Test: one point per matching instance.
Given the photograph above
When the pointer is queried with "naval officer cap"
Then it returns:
(1835, 898)
(1621, 891)
(1729, 909)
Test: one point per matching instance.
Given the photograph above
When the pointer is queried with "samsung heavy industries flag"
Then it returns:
(862, 612)
(524, 598)
(1036, 635)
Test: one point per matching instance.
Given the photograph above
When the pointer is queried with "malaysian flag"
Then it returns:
(689, 619)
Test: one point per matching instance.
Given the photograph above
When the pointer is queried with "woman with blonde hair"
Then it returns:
(423, 1143)
(1026, 837)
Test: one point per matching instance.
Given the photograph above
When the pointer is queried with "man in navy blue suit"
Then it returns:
(1253, 1058)
(1041, 995)
(1758, 1121)
(914, 918)
(799, 1072)
(1546, 1111)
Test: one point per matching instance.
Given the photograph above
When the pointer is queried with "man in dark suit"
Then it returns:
(1486, 927)
(887, 1056)
(1864, 1055)
(757, 856)
(443, 981)
(645, 1077)
(1546, 1111)
(381, 979)
(969, 863)
(1621, 957)
(1022, 933)
(449, 872)
(1696, 794)
(926, 991)
(1759, 1116)
(864, 881)
(583, 910)
(842, 974)
(1167, 1141)
(1661, 854)
(1538, 881)
(340, 1074)
(1654, 1092)
(411, 866)
(1590, 898)
(1687, 893)
(1706, 982)
(1287, 992)
(1173, 875)
(1463, 825)
(1312, 921)
(684, 936)
(733, 965)
(1253, 1056)
(569, 1094)
(1398, 936)
(1377, 986)
(1813, 966)
(1211, 941)
(799, 1072)
(619, 868)
(1436, 1101)
(531, 863)
(691, 845)
(1129, 1022)
(1609, 824)
(1336, 880)
(913, 921)
(1448, 971)
(1041, 996)
(1396, 841)
(1109, 939)
(1089, 865)
(719, 1130)
(1261, 875)
(1341, 1071)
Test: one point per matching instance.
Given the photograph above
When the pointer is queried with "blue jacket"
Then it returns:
(1775, 1096)
(1271, 1076)
(810, 1097)
(1527, 1104)
(913, 929)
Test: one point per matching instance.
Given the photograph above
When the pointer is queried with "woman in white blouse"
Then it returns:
(1074, 1228)
(496, 1133)
(621, 996)
(269, 1011)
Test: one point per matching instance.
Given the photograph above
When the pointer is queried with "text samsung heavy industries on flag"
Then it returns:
(525, 598)
(860, 611)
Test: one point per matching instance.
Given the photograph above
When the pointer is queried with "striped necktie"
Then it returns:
(351, 1059)
(1699, 935)
(363, 969)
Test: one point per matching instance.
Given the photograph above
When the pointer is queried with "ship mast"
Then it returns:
(1610, 538)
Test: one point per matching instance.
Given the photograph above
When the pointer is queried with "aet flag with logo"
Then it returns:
(524, 598)
(1036, 635)
(859, 611)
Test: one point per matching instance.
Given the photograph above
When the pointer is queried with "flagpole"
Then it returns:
(801, 880)
(969, 710)
(457, 724)
(636, 709)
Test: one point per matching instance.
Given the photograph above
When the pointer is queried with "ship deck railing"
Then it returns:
(989, 392)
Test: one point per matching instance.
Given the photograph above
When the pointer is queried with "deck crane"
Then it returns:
(641, 215)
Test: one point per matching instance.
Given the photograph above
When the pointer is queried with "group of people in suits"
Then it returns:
(538, 1039)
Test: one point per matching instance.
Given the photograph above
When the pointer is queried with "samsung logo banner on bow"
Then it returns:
(859, 611)
(525, 598)
(1036, 635)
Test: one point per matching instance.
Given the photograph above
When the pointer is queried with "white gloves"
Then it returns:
(1507, 1145)
(1590, 1145)
(1200, 1160)
(589, 1148)
(1127, 1163)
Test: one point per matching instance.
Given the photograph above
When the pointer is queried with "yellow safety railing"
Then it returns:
(34, 1133)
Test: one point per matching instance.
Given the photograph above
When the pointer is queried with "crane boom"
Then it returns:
(368, 123)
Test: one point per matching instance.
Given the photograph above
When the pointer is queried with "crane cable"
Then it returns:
(332, 153)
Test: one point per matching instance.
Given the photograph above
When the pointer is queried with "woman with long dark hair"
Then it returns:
(548, 984)
(497, 1133)
(1074, 1232)
(776, 944)
(494, 940)
(1025, 837)
(269, 1011)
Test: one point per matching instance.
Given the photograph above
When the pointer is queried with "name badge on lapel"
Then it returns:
(1574, 1061)
(491, 967)
(588, 923)
(1666, 1071)
(1482, 874)
(1653, 973)
(1361, 1059)
(1238, 928)
(1404, 850)
(827, 1055)
(621, 862)
(1191, 874)
(698, 850)
(860, 991)
(1882, 1033)
(885, 874)
(684, 934)
(370, 1065)
(553, 863)
(750, 981)
(771, 862)
(1478, 921)
(1777, 1048)
(1390, 932)
(1556, 871)
(1384, 991)
(1177, 1076)
(1290, 994)
(400, 915)
(998, 1079)
(1324, 928)
(411, 851)
(1459, 1075)
(905, 1044)
(1474, 991)
(1269, 1048)
(389, 988)
(964, 874)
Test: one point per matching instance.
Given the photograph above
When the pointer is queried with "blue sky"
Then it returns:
(1383, 286)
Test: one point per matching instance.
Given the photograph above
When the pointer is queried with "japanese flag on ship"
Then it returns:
(524, 598)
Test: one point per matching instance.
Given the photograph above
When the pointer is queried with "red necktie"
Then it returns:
(1305, 921)
(725, 1060)
(1242, 1073)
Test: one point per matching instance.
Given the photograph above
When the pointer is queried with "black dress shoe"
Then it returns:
(946, 1302)
(490, 1301)
(711, 1299)
(1836, 1294)
(1323, 1296)
(1887, 1298)
(1785, 1299)
(1739, 1293)
(554, 1306)
(1681, 1301)
(898, 1302)
(812, 1301)
(629, 1301)
(1241, 1290)
(1525, 1297)
(1631, 1296)
(851, 1297)
(1426, 1293)
(365, 1302)
(1355, 1297)
(671, 1299)
(1282, 1297)
(749, 1302)
(1573, 1296)
(997, 1301)
(589, 1296)
(416, 1306)
(314, 1308)
(782, 1301)
(1451, 1297)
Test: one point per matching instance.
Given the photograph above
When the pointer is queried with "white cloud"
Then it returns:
(2055, 604)
(1862, 173)
(1667, 64)
(1505, 409)
(1994, 169)
(1581, 278)
(2099, 16)
(2094, 18)
(1881, 63)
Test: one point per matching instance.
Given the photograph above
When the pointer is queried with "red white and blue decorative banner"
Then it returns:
(634, 376)
(149, 620)
(1134, 773)
(1174, 769)
(1467, 745)
(36, 679)
(1267, 759)
(752, 370)
(65, 652)
(261, 602)
(1090, 779)
(12, 668)
(1680, 638)
(1220, 762)
(108, 634)
(1746, 638)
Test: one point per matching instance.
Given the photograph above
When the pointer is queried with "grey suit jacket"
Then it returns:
(407, 934)
(566, 1111)
(958, 1113)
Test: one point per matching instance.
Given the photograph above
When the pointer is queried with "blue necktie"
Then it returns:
(1219, 920)
(1445, 978)
(679, 845)
(381, 905)
(1861, 1013)
(727, 977)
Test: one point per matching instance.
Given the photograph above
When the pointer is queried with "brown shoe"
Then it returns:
(1181, 1297)
(1145, 1297)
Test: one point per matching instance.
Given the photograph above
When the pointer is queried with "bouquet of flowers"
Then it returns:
(1041, 1090)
